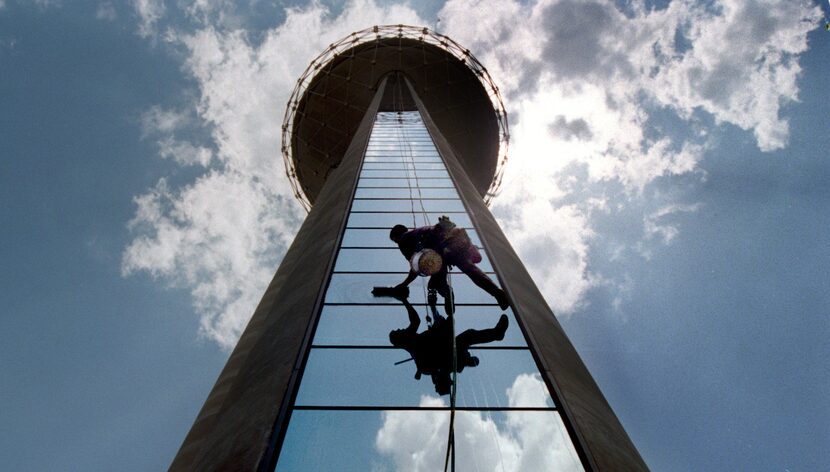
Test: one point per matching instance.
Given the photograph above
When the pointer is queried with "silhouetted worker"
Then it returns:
(432, 349)
(456, 249)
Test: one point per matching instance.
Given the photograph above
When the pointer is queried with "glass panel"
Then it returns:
(405, 173)
(400, 140)
(361, 441)
(380, 238)
(381, 260)
(408, 205)
(513, 441)
(361, 377)
(388, 220)
(367, 325)
(402, 166)
(402, 146)
(405, 183)
(387, 157)
(370, 377)
(370, 238)
(357, 288)
(503, 378)
(495, 368)
(406, 193)
(417, 441)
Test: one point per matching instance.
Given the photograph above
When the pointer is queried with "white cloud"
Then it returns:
(149, 13)
(184, 152)
(742, 66)
(584, 83)
(654, 225)
(106, 11)
(158, 120)
(417, 442)
(553, 242)
(222, 236)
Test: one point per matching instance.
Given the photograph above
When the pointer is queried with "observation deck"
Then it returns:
(334, 92)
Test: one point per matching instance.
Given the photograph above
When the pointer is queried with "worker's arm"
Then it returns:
(409, 278)
(414, 319)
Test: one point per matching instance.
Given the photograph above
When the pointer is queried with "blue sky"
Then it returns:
(667, 188)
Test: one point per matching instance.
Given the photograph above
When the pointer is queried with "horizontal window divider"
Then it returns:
(421, 408)
(405, 178)
(420, 187)
(404, 160)
(413, 199)
(387, 272)
(381, 247)
(397, 303)
(417, 211)
(389, 227)
(374, 346)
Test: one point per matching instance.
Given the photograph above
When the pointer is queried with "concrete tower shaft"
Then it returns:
(397, 125)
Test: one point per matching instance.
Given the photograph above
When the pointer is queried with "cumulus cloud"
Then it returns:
(568, 130)
(159, 120)
(741, 66)
(222, 236)
(149, 13)
(586, 83)
(513, 442)
(655, 225)
(106, 11)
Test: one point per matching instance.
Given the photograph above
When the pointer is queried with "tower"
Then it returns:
(398, 125)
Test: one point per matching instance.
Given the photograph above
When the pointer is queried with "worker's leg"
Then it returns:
(438, 282)
(471, 337)
(480, 278)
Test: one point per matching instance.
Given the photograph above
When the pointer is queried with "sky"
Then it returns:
(667, 188)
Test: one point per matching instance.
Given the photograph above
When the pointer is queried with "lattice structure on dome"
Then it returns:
(333, 93)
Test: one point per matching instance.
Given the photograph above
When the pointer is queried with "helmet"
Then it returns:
(426, 262)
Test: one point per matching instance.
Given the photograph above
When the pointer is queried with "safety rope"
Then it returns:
(408, 159)
(450, 457)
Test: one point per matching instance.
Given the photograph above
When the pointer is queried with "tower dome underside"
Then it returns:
(341, 87)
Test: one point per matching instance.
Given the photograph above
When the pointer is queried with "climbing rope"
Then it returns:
(407, 159)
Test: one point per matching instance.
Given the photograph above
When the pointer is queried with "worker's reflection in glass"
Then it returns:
(431, 349)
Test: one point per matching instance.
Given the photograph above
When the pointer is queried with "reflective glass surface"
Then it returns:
(383, 260)
(370, 325)
(420, 192)
(428, 182)
(388, 220)
(379, 237)
(410, 205)
(416, 440)
(398, 361)
(357, 288)
(365, 377)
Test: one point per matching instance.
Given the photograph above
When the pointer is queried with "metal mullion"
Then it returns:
(401, 198)
(398, 303)
(405, 187)
(399, 211)
(379, 272)
(421, 408)
(390, 347)
(384, 227)
(382, 247)
(406, 178)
